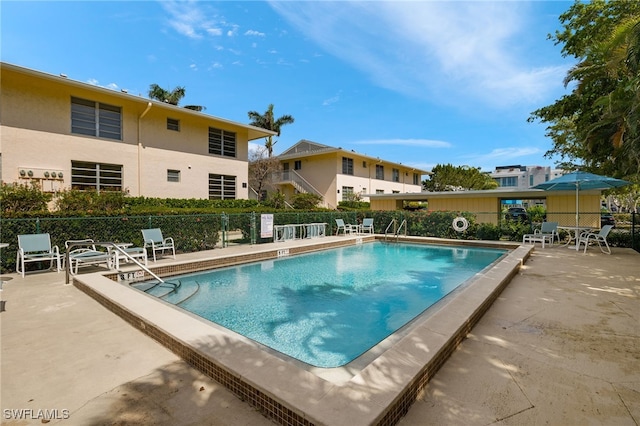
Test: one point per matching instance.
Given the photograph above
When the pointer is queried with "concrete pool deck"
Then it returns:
(559, 346)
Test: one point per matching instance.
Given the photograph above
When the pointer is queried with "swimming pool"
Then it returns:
(375, 389)
(327, 308)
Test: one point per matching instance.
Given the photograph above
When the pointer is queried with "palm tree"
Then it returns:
(266, 121)
(172, 97)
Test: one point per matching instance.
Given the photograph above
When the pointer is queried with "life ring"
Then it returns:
(460, 224)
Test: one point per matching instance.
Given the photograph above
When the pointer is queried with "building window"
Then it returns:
(416, 179)
(347, 193)
(379, 172)
(173, 175)
(87, 176)
(96, 119)
(395, 175)
(297, 165)
(509, 181)
(379, 191)
(395, 192)
(347, 166)
(530, 180)
(222, 187)
(173, 124)
(364, 164)
(222, 142)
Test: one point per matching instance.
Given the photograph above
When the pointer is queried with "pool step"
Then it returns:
(169, 292)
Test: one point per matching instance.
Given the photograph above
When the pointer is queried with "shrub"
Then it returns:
(487, 231)
(23, 198)
(305, 201)
(91, 201)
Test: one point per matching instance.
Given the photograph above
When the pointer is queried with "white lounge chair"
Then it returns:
(36, 248)
(153, 239)
(346, 228)
(600, 237)
(367, 225)
(84, 252)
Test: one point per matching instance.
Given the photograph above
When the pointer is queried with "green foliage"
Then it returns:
(513, 230)
(276, 200)
(595, 127)
(86, 202)
(353, 205)
(305, 201)
(537, 213)
(23, 198)
(447, 177)
(488, 231)
(269, 122)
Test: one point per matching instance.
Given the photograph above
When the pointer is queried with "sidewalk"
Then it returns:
(560, 346)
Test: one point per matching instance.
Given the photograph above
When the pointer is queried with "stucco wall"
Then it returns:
(36, 133)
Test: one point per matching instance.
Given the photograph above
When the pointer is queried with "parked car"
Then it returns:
(606, 218)
(518, 214)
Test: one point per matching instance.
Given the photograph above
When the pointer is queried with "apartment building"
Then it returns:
(62, 134)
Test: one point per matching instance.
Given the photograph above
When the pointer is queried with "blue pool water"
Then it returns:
(327, 308)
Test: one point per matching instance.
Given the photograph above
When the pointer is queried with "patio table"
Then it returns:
(577, 231)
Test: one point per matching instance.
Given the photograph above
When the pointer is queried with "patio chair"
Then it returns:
(36, 248)
(548, 230)
(547, 233)
(346, 228)
(130, 252)
(84, 252)
(367, 225)
(600, 237)
(153, 239)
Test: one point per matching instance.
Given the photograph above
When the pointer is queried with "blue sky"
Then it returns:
(419, 83)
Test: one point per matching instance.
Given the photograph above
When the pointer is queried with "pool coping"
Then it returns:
(381, 393)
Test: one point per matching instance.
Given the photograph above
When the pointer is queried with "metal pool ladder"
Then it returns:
(119, 249)
(396, 228)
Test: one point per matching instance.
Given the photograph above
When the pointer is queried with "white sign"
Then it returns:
(266, 226)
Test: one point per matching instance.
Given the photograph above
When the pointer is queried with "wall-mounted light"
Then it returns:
(46, 174)
(23, 172)
(30, 173)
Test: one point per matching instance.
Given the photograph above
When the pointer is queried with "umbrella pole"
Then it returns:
(577, 205)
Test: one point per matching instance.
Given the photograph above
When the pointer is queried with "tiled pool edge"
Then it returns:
(380, 394)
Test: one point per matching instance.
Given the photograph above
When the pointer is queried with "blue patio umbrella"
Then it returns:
(580, 181)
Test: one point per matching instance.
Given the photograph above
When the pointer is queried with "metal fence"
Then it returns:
(198, 232)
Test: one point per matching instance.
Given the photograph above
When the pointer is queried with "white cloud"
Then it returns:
(254, 33)
(425, 143)
(331, 100)
(192, 19)
(452, 52)
(93, 82)
(214, 31)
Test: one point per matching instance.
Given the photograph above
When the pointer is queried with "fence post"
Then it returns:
(225, 226)
(633, 232)
(253, 227)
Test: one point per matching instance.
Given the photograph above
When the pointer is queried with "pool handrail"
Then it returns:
(106, 244)
(396, 230)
